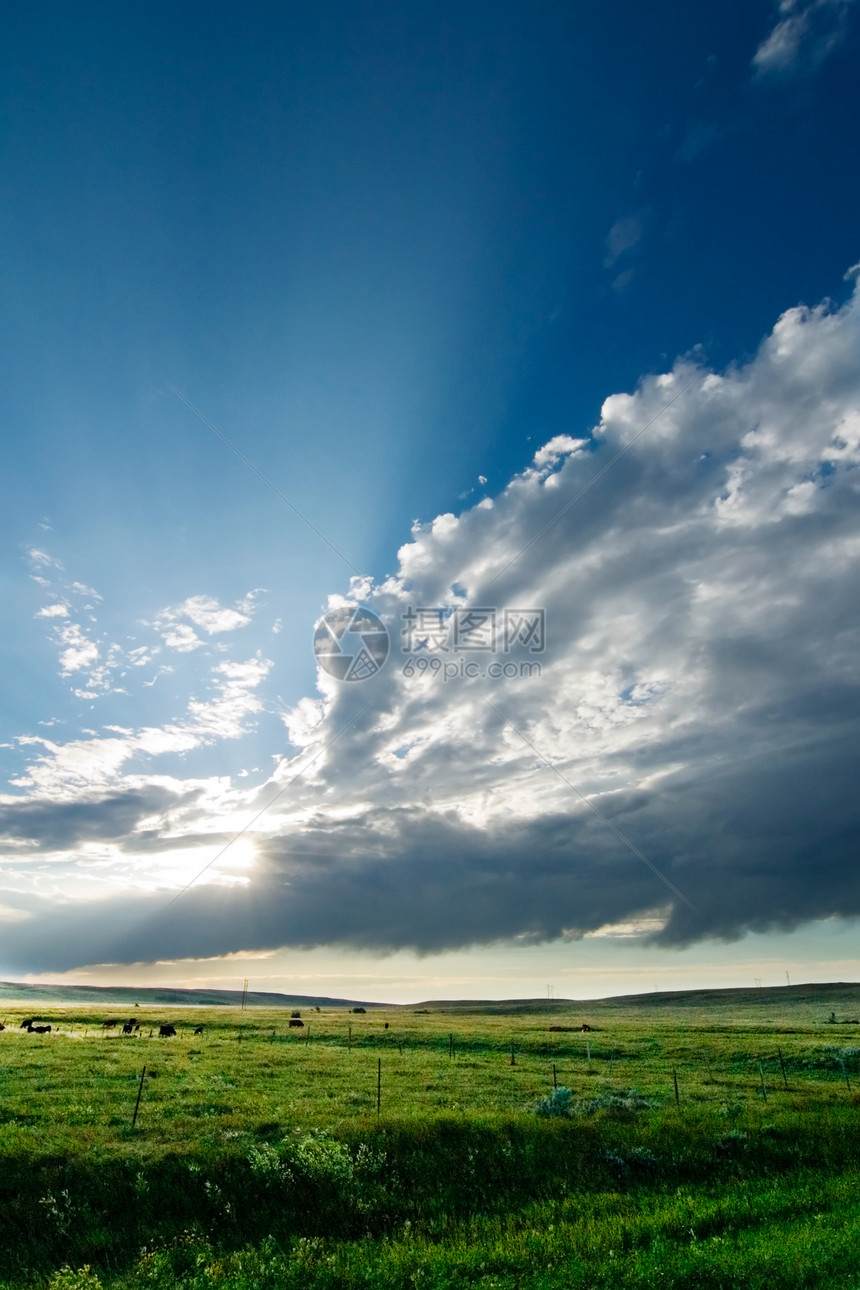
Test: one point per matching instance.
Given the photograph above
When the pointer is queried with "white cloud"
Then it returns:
(81, 589)
(623, 236)
(181, 637)
(555, 449)
(805, 33)
(62, 771)
(42, 559)
(56, 610)
(206, 613)
(78, 651)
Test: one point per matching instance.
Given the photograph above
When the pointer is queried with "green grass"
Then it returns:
(259, 1160)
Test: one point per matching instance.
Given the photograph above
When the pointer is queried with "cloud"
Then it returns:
(78, 652)
(62, 772)
(41, 559)
(623, 236)
(81, 589)
(54, 825)
(181, 637)
(206, 613)
(803, 36)
(697, 703)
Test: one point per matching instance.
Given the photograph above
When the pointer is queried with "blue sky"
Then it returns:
(391, 252)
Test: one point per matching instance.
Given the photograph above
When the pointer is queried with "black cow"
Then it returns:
(2, 1027)
(129, 1027)
(112, 1021)
(38, 1030)
(164, 1032)
(198, 1030)
(25, 1025)
(296, 1021)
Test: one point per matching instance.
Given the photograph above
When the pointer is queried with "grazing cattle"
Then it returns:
(38, 1030)
(296, 1021)
(164, 1032)
(2, 1027)
(25, 1025)
(129, 1027)
(585, 1026)
(198, 1030)
(112, 1021)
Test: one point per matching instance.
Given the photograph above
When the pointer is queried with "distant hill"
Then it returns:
(838, 995)
(130, 995)
(834, 994)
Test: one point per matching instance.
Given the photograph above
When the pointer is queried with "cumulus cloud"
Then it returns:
(78, 652)
(805, 32)
(696, 704)
(206, 613)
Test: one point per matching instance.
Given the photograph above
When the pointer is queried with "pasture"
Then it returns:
(709, 1142)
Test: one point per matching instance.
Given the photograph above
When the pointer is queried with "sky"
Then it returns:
(431, 535)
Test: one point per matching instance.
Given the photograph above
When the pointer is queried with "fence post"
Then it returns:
(378, 1085)
(513, 1059)
(782, 1066)
(675, 1080)
(137, 1103)
(763, 1088)
(554, 1080)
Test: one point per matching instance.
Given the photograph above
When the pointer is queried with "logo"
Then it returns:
(351, 643)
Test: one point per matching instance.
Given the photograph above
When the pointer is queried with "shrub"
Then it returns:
(558, 1103)
(67, 1279)
(616, 1100)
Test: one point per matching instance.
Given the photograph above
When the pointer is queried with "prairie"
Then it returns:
(707, 1139)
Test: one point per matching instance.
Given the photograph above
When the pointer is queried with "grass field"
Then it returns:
(406, 1148)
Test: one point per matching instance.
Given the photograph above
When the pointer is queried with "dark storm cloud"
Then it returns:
(754, 846)
(104, 817)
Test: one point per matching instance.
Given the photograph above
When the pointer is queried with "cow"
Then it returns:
(129, 1027)
(198, 1030)
(112, 1021)
(25, 1025)
(296, 1021)
(38, 1030)
(2, 1027)
(164, 1032)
